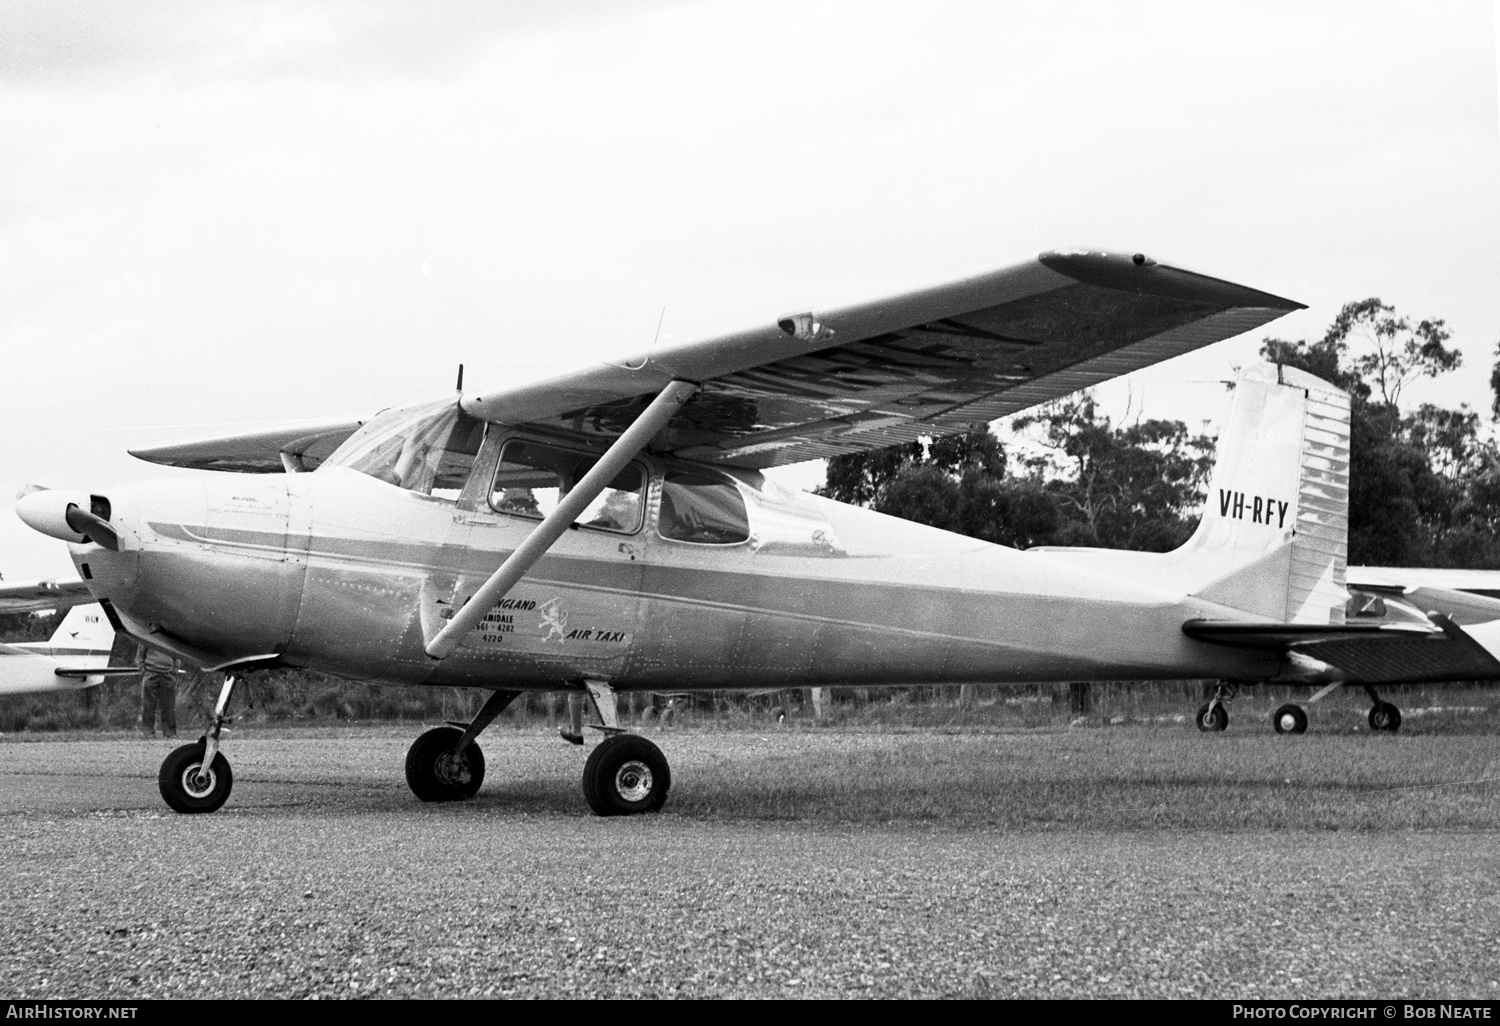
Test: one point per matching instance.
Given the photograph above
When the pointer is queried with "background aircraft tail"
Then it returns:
(82, 641)
(1274, 533)
(85, 633)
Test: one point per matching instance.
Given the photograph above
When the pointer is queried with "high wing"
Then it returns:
(37, 596)
(822, 383)
(299, 446)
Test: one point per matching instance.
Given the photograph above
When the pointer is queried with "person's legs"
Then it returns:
(148, 703)
(166, 704)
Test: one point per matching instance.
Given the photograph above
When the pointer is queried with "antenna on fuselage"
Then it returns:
(460, 386)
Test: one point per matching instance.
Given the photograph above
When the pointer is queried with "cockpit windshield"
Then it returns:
(428, 449)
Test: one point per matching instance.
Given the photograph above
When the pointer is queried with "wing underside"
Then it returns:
(822, 383)
(817, 385)
(38, 596)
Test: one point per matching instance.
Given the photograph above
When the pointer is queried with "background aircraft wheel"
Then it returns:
(1385, 716)
(435, 774)
(778, 714)
(1213, 716)
(186, 788)
(1290, 719)
(626, 774)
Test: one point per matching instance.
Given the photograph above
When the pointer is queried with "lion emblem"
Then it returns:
(554, 619)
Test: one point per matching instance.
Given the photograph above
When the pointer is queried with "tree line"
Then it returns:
(1424, 483)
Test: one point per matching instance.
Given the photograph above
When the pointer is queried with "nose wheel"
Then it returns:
(1214, 716)
(188, 787)
(196, 778)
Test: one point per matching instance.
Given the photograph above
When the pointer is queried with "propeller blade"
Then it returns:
(95, 528)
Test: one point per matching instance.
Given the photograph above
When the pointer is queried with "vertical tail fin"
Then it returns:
(84, 632)
(1274, 532)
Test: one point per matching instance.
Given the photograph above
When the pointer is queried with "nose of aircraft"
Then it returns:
(74, 517)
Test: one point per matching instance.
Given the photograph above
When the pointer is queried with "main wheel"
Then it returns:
(626, 774)
(1290, 719)
(435, 774)
(1385, 716)
(1213, 717)
(186, 787)
(778, 714)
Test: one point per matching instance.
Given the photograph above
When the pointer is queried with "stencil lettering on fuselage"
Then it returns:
(1258, 509)
(554, 625)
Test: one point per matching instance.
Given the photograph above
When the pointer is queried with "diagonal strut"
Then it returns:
(624, 449)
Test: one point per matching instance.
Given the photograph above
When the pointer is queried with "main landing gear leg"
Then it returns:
(196, 777)
(626, 773)
(444, 764)
(1215, 715)
(1383, 715)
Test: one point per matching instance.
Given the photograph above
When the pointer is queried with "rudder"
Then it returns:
(1274, 532)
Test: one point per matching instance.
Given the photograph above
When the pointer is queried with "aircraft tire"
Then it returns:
(1290, 719)
(626, 775)
(1385, 716)
(432, 773)
(778, 714)
(180, 788)
(1213, 717)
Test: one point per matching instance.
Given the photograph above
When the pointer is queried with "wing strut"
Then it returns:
(624, 449)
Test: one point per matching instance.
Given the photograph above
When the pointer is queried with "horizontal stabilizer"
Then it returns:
(98, 671)
(1281, 635)
(1366, 653)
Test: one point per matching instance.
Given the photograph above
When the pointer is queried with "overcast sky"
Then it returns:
(218, 215)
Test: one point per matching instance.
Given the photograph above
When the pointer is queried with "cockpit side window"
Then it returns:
(426, 449)
(532, 478)
(697, 507)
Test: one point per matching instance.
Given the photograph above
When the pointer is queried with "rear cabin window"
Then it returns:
(701, 508)
(531, 479)
(428, 449)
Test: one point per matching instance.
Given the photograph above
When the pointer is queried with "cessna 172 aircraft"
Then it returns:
(610, 530)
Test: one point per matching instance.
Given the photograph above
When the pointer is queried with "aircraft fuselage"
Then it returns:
(338, 571)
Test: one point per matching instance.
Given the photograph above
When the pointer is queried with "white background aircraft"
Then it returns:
(82, 642)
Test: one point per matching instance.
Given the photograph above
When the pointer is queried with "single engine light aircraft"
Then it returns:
(611, 530)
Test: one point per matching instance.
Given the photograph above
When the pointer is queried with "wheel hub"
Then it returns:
(633, 781)
(452, 769)
(197, 781)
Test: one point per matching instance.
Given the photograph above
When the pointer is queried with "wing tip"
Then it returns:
(1136, 272)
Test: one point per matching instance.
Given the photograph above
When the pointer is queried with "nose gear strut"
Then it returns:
(196, 777)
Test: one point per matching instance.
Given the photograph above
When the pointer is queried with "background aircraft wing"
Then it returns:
(1408, 579)
(819, 383)
(259, 452)
(36, 596)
